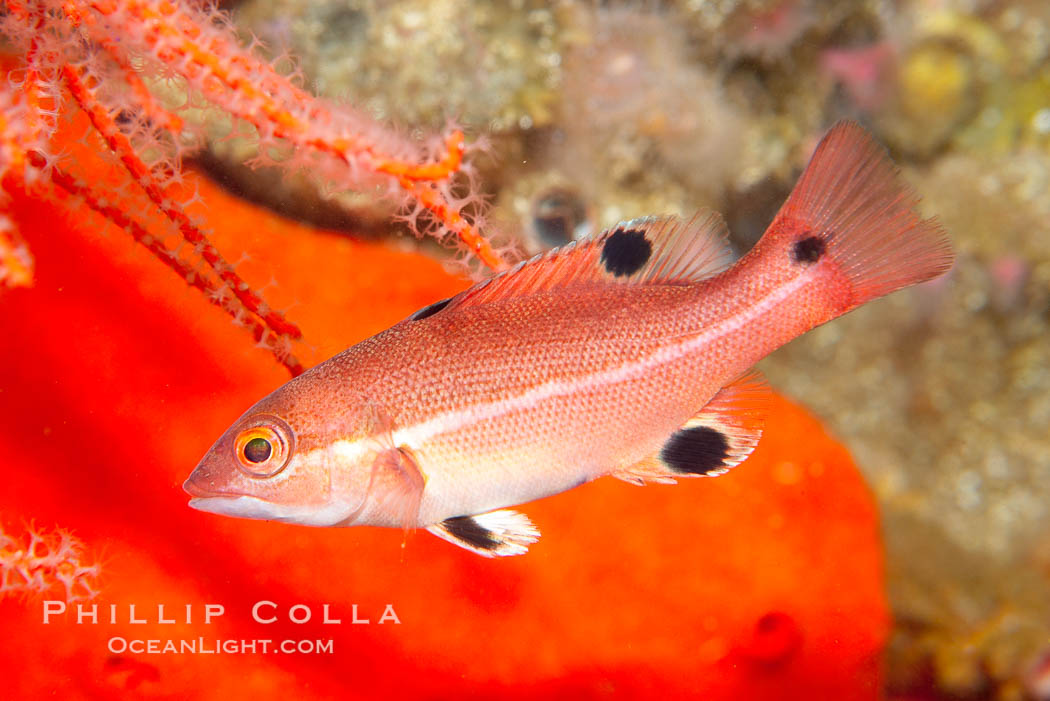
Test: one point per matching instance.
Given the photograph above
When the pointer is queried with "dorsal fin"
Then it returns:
(652, 250)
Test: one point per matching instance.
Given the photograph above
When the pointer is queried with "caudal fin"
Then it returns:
(851, 205)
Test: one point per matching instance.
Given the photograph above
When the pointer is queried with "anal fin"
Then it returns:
(498, 533)
(721, 436)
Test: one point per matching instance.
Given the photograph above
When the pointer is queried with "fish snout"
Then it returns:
(191, 488)
(201, 483)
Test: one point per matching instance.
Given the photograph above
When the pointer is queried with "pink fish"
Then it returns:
(626, 354)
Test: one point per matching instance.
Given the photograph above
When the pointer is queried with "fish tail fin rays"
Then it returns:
(851, 205)
(500, 533)
(721, 436)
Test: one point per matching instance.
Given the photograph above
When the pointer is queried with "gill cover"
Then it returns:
(393, 492)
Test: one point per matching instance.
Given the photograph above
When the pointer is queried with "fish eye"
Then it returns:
(257, 450)
(264, 447)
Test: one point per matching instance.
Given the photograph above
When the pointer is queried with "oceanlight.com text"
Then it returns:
(118, 645)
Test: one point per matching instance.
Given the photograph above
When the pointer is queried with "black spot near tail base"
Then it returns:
(470, 531)
(698, 450)
(808, 250)
(625, 252)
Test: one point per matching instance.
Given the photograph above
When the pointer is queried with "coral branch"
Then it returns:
(101, 57)
(431, 198)
(213, 292)
(16, 263)
(40, 562)
(164, 118)
(141, 174)
(250, 89)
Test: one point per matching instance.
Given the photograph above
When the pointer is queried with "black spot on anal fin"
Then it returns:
(808, 250)
(697, 450)
(471, 532)
(626, 251)
(430, 310)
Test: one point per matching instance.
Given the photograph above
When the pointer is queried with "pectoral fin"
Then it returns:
(492, 534)
(719, 437)
(397, 486)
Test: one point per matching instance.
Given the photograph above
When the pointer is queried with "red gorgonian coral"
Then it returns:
(45, 561)
(104, 58)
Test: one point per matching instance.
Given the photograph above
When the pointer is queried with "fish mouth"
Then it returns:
(239, 506)
(331, 514)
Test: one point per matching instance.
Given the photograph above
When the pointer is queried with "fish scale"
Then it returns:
(649, 406)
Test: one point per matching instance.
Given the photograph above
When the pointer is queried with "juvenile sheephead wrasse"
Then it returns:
(625, 354)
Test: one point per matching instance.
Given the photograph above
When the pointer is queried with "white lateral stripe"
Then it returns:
(417, 434)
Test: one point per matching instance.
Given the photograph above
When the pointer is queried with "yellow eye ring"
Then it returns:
(264, 447)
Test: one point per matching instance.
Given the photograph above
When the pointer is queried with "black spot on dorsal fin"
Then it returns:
(697, 450)
(626, 251)
(430, 310)
(650, 250)
(470, 531)
(808, 250)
